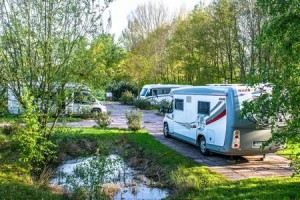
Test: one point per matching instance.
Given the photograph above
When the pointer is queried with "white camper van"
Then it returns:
(158, 92)
(208, 116)
(79, 103)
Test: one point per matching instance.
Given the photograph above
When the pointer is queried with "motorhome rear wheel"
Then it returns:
(202, 146)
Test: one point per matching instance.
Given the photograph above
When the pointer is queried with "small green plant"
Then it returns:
(142, 104)
(134, 119)
(127, 98)
(88, 179)
(102, 119)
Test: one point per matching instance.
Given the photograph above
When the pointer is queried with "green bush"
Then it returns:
(3, 102)
(30, 141)
(127, 98)
(142, 104)
(134, 119)
(161, 106)
(119, 88)
(102, 119)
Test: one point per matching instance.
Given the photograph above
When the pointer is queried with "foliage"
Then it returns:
(3, 102)
(142, 104)
(280, 36)
(127, 98)
(118, 88)
(11, 129)
(91, 176)
(211, 44)
(34, 149)
(134, 119)
(43, 47)
(187, 179)
(106, 57)
(102, 119)
(84, 112)
(162, 106)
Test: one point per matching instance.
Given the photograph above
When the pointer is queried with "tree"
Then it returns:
(39, 43)
(145, 19)
(106, 58)
(280, 40)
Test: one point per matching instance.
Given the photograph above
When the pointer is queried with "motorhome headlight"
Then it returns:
(236, 139)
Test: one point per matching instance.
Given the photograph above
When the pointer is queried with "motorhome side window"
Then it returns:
(203, 107)
(178, 104)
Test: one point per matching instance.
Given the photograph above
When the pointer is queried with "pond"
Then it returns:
(110, 175)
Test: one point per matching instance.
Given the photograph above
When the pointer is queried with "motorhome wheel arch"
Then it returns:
(209, 117)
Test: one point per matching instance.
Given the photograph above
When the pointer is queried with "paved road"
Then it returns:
(246, 166)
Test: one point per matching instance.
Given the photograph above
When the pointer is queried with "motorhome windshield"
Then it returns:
(143, 92)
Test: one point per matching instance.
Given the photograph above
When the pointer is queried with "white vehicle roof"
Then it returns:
(212, 89)
(164, 86)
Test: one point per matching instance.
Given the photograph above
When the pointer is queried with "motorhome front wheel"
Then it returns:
(166, 130)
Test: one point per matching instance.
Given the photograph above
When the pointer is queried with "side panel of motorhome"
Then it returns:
(184, 121)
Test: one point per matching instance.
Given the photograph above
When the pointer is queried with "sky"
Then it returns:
(120, 9)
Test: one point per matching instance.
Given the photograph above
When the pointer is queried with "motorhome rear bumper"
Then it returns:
(252, 142)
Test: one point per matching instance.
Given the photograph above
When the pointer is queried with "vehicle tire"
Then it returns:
(166, 130)
(96, 111)
(202, 147)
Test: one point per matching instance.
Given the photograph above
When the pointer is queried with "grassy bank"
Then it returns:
(184, 178)
(16, 181)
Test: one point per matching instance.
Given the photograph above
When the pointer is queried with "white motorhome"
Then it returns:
(158, 92)
(209, 117)
(78, 103)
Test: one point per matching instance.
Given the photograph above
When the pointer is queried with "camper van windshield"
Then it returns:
(143, 92)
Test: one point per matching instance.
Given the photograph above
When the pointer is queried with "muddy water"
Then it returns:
(111, 170)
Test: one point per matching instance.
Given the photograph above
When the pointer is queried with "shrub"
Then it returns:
(102, 119)
(134, 119)
(119, 88)
(31, 141)
(142, 104)
(127, 98)
(161, 106)
(12, 128)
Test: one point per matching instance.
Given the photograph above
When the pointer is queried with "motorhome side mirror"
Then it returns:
(162, 109)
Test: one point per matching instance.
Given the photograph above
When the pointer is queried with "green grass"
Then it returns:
(185, 178)
(15, 180)
(17, 118)
(188, 180)
(291, 151)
